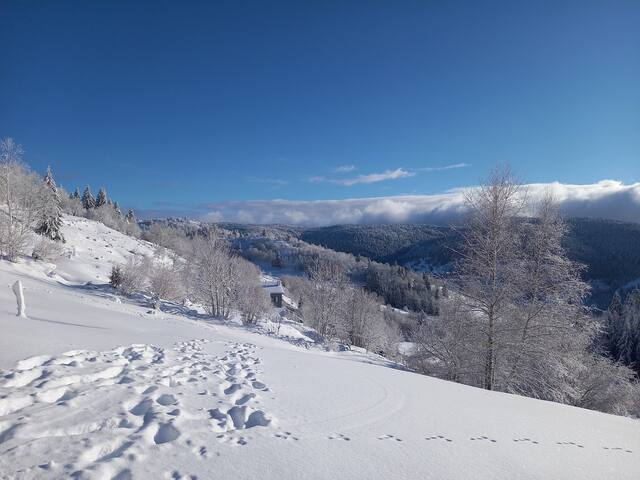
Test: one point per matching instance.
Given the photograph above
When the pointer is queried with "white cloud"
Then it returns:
(214, 216)
(605, 199)
(376, 177)
(453, 166)
(345, 168)
(275, 182)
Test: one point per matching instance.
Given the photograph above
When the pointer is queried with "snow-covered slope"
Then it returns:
(95, 388)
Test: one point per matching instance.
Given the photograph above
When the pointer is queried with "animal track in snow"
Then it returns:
(338, 436)
(484, 438)
(570, 444)
(285, 436)
(440, 437)
(232, 439)
(389, 437)
(618, 449)
(525, 440)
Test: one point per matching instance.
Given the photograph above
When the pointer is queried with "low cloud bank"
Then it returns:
(606, 199)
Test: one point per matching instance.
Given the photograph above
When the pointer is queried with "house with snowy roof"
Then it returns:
(275, 291)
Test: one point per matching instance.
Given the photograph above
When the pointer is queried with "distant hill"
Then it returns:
(610, 249)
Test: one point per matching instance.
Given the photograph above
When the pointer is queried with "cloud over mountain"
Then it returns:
(606, 199)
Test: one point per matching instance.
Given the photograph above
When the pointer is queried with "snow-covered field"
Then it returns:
(92, 387)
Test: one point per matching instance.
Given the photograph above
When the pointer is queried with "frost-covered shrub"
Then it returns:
(46, 250)
(131, 276)
(165, 282)
(253, 303)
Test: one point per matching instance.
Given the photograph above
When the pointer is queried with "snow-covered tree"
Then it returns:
(628, 341)
(130, 217)
(165, 282)
(614, 325)
(488, 275)
(210, 275)
(75, 194)
(50, 222)
(101, 199)
(325, 302)
(248, 295)
(21, 196)
(116, 207)
(88, 202)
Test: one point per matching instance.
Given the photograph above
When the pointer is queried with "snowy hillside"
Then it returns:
(94, 386)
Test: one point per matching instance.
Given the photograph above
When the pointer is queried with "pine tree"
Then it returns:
(629, 340)
(50, 223)
(116, 207)
(130, 217)
(615, 324)
(101, 199)
(88, 202)
(75, 194)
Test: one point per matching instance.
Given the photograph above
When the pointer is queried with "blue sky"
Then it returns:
(171, 105)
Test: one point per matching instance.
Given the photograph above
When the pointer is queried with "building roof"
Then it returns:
(274, 288)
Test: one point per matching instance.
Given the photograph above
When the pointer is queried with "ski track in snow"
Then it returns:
(105, 411)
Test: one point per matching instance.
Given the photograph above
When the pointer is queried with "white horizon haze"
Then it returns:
(609, 199)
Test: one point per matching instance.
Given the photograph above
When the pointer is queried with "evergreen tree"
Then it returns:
(130, 217)
(116, 207)
(88, 202)
(101, 199)
(75, 194)
(629, 340)
(614, 326)
(50, 223)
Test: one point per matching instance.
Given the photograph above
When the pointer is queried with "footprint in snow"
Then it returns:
(166, 400)
(389, 437)
(259, 385)
(338, 436)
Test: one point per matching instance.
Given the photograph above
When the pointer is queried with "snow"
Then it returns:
(96, 388)
(406, 348)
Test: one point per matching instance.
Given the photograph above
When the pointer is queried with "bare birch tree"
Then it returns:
(488, 273)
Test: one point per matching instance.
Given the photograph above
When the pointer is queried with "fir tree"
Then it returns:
(50, 222)
(76, 194)
(116, 207)
(629, 340)
(101, 199)
(130, 217)
(88, 202)
(615, 324)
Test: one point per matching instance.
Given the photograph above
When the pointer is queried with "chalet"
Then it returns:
(275, 291)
